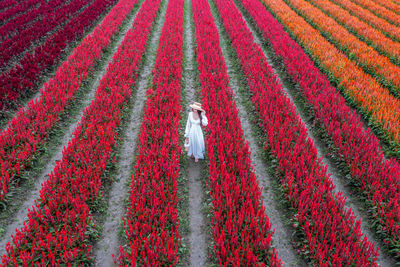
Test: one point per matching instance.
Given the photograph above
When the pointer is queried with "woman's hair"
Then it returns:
(199, 113)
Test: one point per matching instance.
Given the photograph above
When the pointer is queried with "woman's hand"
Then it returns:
(203, 113)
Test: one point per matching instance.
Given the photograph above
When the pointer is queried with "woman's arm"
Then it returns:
(204, 119)
(188, 125)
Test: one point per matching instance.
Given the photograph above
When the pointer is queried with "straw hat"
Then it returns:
(196, 106)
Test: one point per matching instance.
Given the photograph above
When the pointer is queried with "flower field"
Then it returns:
(22, 77)
(302, 145)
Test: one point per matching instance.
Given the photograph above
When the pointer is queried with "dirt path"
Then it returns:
(109, 243)
(282, 236)
(336, 177)
(197, 235)
(30, 197)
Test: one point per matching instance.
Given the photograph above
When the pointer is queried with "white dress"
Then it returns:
(195, 134)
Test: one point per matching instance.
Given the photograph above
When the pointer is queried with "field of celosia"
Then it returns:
(302, 145)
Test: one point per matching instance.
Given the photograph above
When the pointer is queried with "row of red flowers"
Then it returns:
(18, 22)
(356, 147)
(23, 76)
(8, 4)
(240, 227)
(330, 234)
(151, 221)
(52, 17)
(17, 9)
(29, 129)
(60, 227)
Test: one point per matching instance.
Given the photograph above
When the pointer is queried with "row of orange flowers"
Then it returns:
(377, 65)
(362, 29)
(379, 10)
(369, 17)
(379, 107)
(389, 5)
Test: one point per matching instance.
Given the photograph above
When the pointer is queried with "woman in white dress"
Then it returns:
(193, 133)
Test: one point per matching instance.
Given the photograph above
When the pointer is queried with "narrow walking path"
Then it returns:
(197, 222)
(31, 196)
(282, 236)
(197, 238)
(336, 177)
(109, 243)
